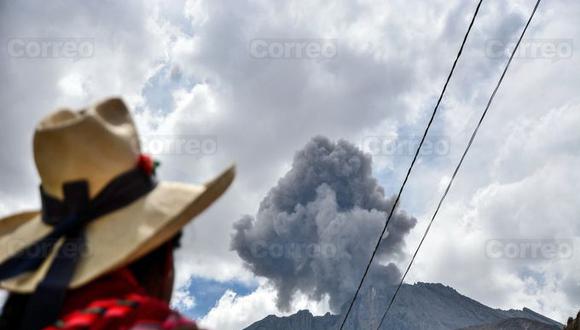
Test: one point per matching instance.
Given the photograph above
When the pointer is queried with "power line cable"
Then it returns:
(460, 162)
(412, 164)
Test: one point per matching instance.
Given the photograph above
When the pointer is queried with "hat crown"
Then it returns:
(95, 144)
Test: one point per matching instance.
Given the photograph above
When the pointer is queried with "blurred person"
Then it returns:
(99, 254)
(573, 324)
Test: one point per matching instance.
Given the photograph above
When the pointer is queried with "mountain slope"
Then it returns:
(419, 306)
(516, 324)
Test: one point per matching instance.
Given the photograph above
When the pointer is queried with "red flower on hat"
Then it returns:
(147, 164)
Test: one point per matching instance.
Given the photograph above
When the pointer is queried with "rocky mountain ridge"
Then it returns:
(418, 306)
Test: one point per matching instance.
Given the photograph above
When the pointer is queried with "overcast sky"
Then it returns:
(251, 82)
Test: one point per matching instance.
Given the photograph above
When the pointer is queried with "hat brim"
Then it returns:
(118, 238)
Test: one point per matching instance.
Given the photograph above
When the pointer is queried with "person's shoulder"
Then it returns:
(134, 312)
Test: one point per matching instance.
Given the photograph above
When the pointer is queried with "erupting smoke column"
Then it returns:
(315, 231)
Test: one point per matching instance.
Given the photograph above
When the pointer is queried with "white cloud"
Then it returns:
(234, 312)
(181, 299)
(237, 312)
(530, 197)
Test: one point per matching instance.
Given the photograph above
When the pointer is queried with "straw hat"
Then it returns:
(96, 146)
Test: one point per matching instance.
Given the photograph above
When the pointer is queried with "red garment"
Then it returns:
(117, 302)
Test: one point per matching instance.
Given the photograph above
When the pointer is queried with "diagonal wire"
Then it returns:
(461, 161)
(412, 164)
